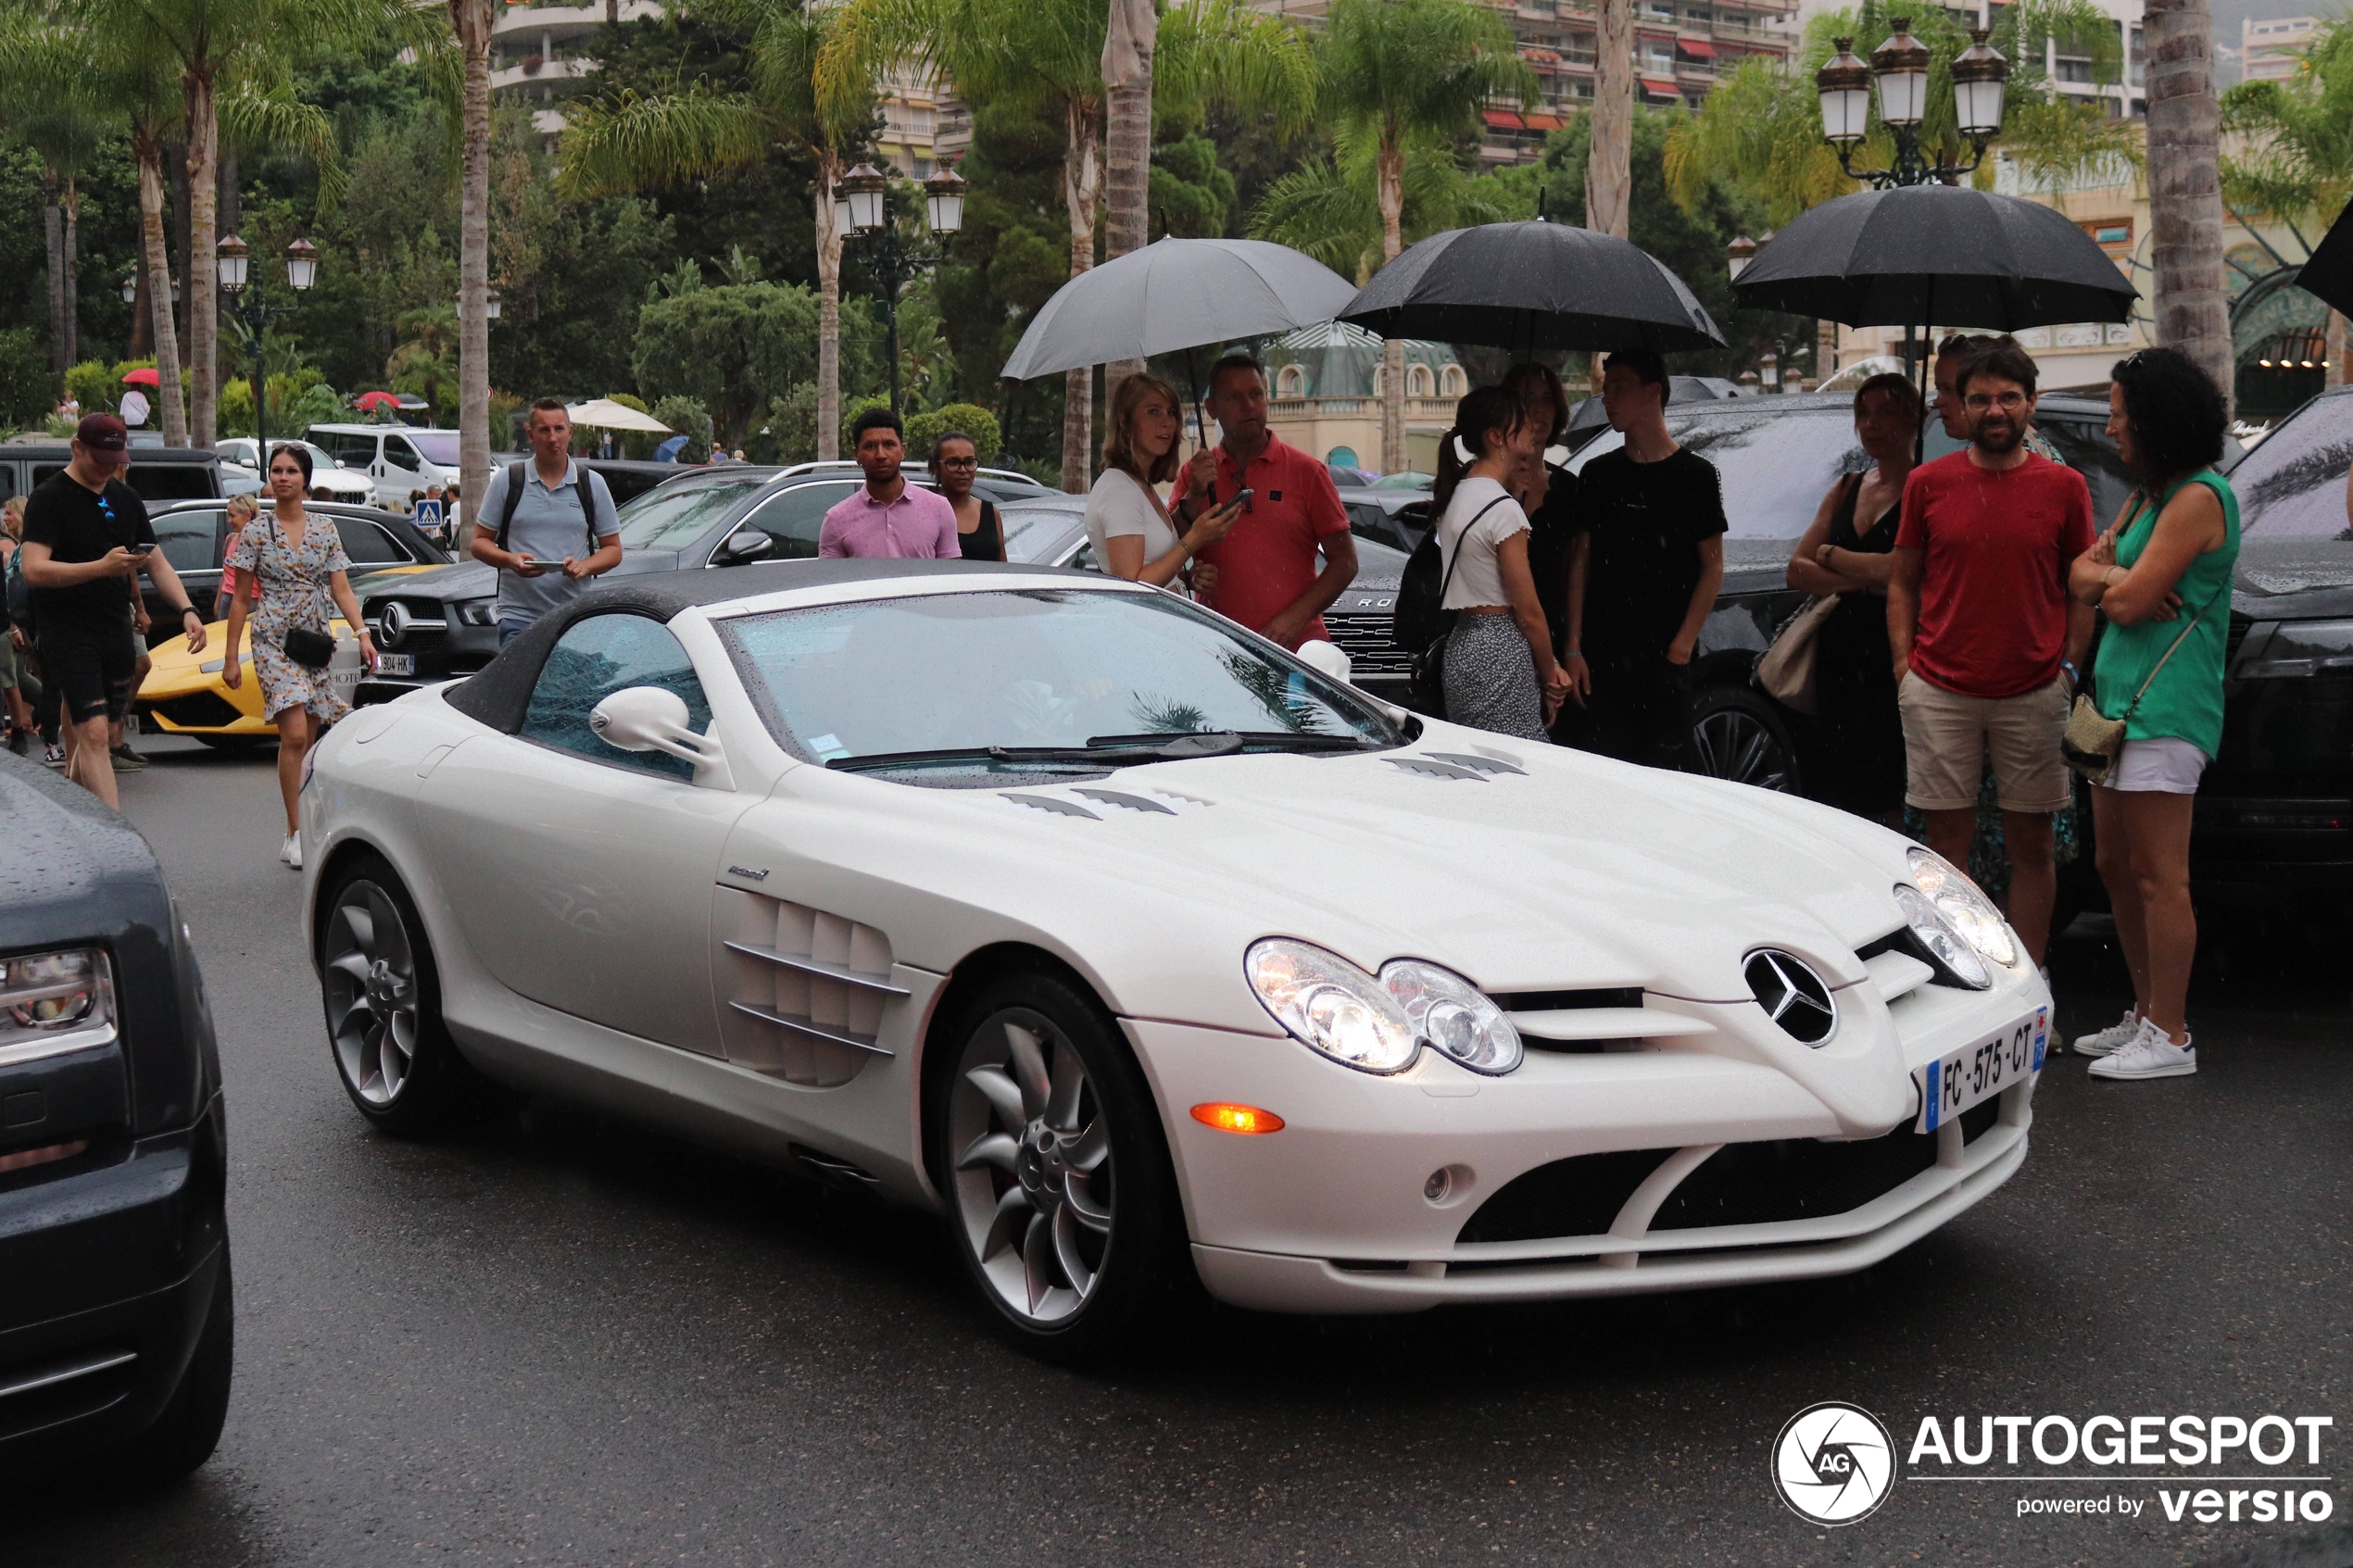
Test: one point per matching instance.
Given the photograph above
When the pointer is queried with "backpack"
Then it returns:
(517, 475)
(1423, 620)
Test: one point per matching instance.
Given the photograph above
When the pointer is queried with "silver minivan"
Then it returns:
(398, 458)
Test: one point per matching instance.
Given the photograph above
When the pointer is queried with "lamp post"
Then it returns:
(256, 312)
(863, 200)
(1899, 70)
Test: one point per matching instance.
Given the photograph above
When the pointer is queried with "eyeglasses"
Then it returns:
(2008, 402)
(960, 462)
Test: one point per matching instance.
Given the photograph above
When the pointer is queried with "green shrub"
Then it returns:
(850, 410)
(94, 384)
(970, 417)
(24, 379)
(689, 418)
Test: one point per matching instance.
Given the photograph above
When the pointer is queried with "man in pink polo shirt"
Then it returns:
(887, 516)
(1267, 577)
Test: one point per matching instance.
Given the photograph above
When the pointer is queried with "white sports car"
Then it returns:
(1133, 943)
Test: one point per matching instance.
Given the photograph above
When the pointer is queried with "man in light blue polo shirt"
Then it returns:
(534, 525)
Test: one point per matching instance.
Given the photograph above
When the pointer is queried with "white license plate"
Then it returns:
(395, 664)
(1976, 1073)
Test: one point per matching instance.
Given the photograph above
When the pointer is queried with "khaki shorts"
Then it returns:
(1949, 737)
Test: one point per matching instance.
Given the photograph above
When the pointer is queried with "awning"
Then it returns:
(1505, 119)
(1664, 87)
(1697, 48)
(1545, 122)
(1536, 56)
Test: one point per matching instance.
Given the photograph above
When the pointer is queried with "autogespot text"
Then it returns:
(2279, 1476)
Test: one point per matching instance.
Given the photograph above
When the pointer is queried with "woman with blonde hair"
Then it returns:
(1131, 531)
(242, 510)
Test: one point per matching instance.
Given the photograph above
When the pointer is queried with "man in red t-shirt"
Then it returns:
(1985, 635)
(1266, 574)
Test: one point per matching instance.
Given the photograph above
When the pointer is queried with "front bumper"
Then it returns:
(1384, 1194)
(108, 1277)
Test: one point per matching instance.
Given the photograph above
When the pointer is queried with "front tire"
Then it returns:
(1736, 735)
(1060, 1192)
(382, 997)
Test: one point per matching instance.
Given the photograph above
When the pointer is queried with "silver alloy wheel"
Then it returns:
(1734, 743)
(1033, 1177)
(370, 984)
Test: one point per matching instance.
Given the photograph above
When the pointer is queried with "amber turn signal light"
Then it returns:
(1237, 1117)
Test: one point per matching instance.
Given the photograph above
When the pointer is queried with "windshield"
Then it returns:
(2291, 485)
(926, 686)
(673, 516)
(436, 445)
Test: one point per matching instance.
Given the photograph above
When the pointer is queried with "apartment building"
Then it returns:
(543, 50)
(2268, 50)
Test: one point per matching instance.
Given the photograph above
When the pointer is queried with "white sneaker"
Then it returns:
(290, 853)
(2110, 1038)
(2149, 1054)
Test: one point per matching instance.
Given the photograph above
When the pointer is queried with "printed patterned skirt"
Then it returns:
(1490, 681)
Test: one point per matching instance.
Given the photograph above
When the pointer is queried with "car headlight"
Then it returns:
(478, 612)
(1454, 1015)
(1377, 1023)
(54, 1003)
(1943, 943)
(1970, 912)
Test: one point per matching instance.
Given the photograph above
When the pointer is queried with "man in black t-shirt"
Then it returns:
(86, 539)
(1643, 577)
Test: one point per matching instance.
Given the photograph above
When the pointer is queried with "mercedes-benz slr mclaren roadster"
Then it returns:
(1132, 943)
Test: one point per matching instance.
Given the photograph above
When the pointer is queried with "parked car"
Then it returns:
(441, 625)
(116, 1321)
(627, 478)
(875, 914)
(348, 485)
(157, 473)
(183, 694)
(398, 457)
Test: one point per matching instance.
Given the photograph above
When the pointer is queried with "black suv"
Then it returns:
(157, 473)
(438, 625)
(115, 1316)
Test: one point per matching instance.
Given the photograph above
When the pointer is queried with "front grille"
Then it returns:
(1370, 641)
(197, 710)
(1741, 1184)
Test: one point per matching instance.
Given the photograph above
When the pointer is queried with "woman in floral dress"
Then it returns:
(288, 565)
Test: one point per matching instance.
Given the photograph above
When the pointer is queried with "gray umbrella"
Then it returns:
(1525, 286)
(1176, 295)
(1941, 254)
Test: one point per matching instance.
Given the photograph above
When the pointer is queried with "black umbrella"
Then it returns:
(1525, 286)
(1941, 254)
(2328, 272)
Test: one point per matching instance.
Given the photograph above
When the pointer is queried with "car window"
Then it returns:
(188, 540)
(398, 450)
(438, 446)
(352, 447)
(1037, 533)
(676, 515)
(793, 517)
(597, 657)
(2291, 484)
(368, 544)
(1776, 464)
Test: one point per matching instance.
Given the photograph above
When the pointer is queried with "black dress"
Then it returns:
(1855, 680)
(1552, 529)
(987, 540)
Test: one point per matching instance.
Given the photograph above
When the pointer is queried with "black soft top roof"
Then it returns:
(500, 693)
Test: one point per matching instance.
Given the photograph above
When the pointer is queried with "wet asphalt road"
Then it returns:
(567, 1341)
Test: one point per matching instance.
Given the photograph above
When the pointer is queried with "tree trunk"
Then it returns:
(1128, 145)
(1609, 180)
(52, 222)
(155, 257)
(472, 20)
(1825, 350)
(1389, 175)
(1082, 186)
(2335, 344)
(225, 182)
(142, 332)
(175, 163)
(829, 238)
(72, 253)
(204, 278)
(2185, 199)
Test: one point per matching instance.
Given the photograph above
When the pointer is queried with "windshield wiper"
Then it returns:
(1114, 751)
(1289, 740)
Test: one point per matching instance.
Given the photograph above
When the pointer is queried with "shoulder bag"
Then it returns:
(2092, 744)
(1790, 672)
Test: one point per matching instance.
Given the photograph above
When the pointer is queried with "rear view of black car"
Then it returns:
(115, 1312)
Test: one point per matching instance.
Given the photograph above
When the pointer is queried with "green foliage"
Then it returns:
(24, 377)
(792, 425)
(94, 384)
(1190, 195)
(731, 347)
(853, 406)
(690, 419)
(1331, 210)
(2294, 138)
(296, 400)
(924, 430)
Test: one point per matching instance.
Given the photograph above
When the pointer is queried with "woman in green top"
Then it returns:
(2161, 575)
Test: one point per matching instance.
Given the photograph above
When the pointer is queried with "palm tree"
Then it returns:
(1400, 71)
(1609, 161)
(2296, 156)
(809, 90)
(2192, 308)
(1330, 208)
(49, 106)
(471, 22)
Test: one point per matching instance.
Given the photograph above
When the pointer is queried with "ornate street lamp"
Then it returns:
(1899, 69)
(255, 310)
(1738, 254)
(863, 210)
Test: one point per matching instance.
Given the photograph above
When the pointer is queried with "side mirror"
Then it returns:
(1324, 659)
(747, 545)
(654, 718)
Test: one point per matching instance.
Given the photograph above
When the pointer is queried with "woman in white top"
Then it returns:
(1500, 671)
(1130, 529)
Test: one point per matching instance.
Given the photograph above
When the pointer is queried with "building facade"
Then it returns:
(2269, 50)
(1326, 384)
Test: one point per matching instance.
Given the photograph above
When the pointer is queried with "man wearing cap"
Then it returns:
(86, 539)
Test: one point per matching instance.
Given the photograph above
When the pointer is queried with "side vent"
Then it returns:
(1481, 762)
(1434, 768)
(807, 990)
